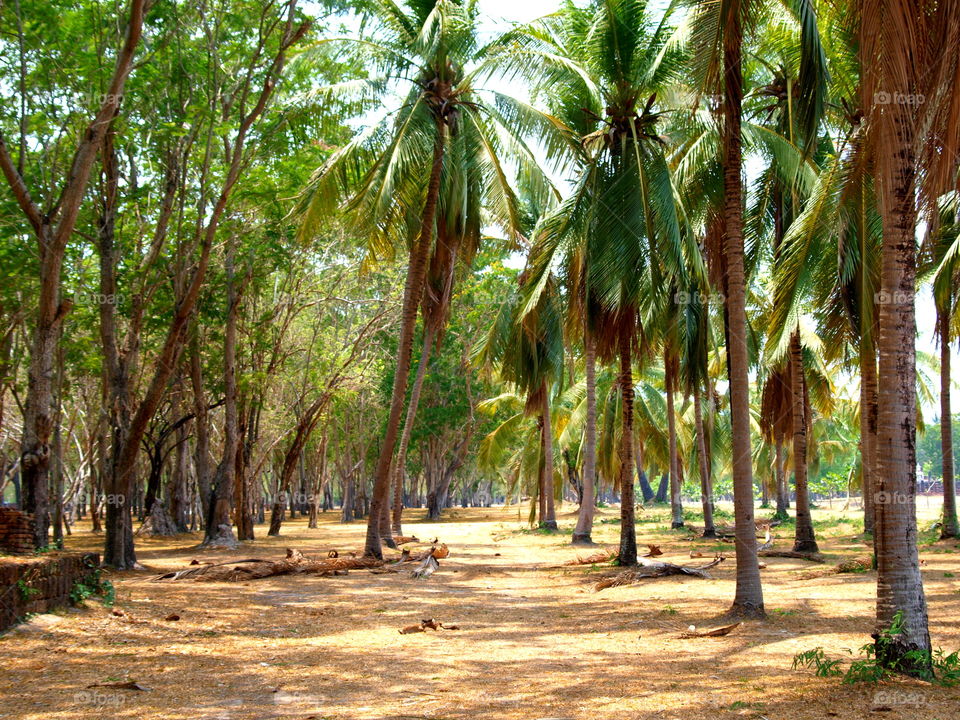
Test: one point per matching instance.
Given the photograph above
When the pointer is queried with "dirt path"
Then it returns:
(534, 642)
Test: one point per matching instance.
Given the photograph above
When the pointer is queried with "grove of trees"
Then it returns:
(263, 259)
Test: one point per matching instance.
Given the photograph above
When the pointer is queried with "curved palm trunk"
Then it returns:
(412, 291)
(949, 527)
(706, 481)
(399, 465)
(676, 503)
(868, 432)
(804, 540)
(549, 520)
(628, 531)
(899, 585)
(582, 535)
(748, 600)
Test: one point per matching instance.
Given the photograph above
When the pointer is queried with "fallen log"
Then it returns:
(646, 569)
(692, 632)
(257, 568)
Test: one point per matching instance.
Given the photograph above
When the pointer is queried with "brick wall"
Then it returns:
(16, 532)
(50, 579)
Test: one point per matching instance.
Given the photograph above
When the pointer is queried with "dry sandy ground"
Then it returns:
(535, 642)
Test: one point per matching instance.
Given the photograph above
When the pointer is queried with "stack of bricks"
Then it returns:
(41, 584)
(16, 532)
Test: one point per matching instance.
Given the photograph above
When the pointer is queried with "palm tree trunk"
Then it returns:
(748, 600)
(628, 531)
(549, 520)
(399, 465)
(868, 431)
(804, 540)
(582, 535)
(676, 502)
(899, 585)
(949, 528)
(783, 494)
(412, 292)
(706, 481)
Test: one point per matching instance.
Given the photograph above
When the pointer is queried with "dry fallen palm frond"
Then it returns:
(648, 569)
(595, 559)
(426, 568)
(856, 565)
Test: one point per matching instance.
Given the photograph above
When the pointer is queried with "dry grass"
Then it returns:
(535, 641)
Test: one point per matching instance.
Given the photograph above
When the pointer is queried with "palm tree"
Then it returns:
(908, 52)
(720, 25)
(694, 368)
(388, 181)
(669, 326)
(942, 250)
(526, 347)
(604, 66)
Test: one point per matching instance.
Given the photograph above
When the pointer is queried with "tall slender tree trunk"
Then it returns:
(412, 292)
(243, 503)
(783, 492)
(399, 466)
(899, 584)
(179, 495)
(39, 412)
(868, 432)
(628, 530)
(804, 540)
(582, 535)
(676, 501)
(219, 529)
(549, 520)
(201, 454)
(948, 528)
(748, 600)
(706, 479)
